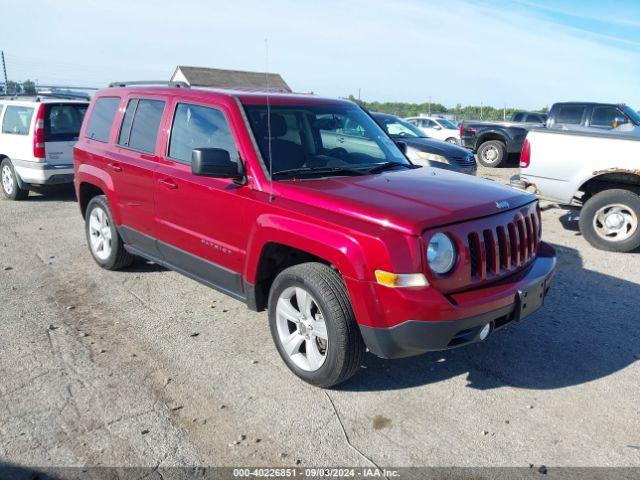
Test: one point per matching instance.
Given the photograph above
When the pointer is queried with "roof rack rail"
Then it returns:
(150, 82)
(40, 96)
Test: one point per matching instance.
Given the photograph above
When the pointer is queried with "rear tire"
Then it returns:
(492, 153)
(609, 220)
(105, 244)
(452, 140)
(334, 332)
(10, 188)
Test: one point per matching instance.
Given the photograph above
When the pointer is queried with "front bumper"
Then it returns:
(523, 295)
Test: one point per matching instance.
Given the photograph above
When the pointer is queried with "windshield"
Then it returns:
(446, 123)
(321, 140)
(632, 114)
(397, 128)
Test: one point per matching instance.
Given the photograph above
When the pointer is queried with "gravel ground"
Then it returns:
(147, 368)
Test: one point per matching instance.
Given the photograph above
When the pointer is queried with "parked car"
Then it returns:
(598, 171)
(348, 246)
(36, 142)
(437, 127)
(493, 141)
(426, 151)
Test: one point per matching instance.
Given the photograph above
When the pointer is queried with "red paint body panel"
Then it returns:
(358, 224)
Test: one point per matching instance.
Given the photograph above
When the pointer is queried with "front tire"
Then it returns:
(492, 153)
(313, 325)
(452, 140)
(10, 188)
(105, 244)
(609, 220)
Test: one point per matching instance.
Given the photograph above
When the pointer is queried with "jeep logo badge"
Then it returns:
(503, 204)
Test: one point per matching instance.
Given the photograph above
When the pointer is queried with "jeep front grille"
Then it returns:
(503, 248)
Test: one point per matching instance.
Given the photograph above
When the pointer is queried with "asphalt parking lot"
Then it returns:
(146, 367)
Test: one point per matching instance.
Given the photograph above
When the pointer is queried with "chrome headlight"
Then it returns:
(441, 254)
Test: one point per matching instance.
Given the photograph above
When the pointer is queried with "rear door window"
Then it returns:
(62, 122)
(101, 118)
(141, 123)
(195, 126)
(518, 117)
(570, 114)
(17, 120)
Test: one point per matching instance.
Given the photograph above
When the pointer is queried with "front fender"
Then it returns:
(338, 248)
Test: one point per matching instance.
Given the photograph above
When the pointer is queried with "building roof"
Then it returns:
(232, 79)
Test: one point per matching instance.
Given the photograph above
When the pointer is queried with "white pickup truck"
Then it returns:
(598, 171)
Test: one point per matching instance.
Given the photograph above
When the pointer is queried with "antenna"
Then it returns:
(266, 77)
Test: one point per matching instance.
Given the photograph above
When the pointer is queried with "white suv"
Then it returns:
(437, 127)
(37, 135)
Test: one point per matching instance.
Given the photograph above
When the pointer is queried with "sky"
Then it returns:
(521, 54)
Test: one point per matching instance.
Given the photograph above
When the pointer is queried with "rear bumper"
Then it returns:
(468, 142)
(37, 173)
(521, 184)
(416, 336)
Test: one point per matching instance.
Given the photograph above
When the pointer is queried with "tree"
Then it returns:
(469, 112)
(29, 87)
(13, 87)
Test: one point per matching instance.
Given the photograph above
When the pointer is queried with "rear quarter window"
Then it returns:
(62, 122)
(17, 120)
(101, 118)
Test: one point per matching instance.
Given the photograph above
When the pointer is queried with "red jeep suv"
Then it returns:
(305, 207)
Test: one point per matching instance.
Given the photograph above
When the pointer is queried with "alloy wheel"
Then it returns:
(302, 330)
(7, 180)
(615, 223)
(100, 233)
(490, 154)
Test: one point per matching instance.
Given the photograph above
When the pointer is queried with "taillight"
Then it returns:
(525, 155)
(38, 137)
(461, 129)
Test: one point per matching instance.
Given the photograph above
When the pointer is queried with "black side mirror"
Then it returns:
(402, 146)
(215, 162)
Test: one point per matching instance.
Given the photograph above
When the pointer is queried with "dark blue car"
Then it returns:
(423, 150)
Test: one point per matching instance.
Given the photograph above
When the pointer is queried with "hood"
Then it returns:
(407, 200)
(437, 147)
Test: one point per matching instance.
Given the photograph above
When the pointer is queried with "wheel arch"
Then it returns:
(626, 179)
(91, 181)
(491, 135)
(278, 242)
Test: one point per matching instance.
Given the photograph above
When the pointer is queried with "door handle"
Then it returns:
(340, 139)
(115, 167)
(167, 182)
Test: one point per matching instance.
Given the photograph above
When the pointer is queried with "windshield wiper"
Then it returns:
(387, 165)
(312, 170)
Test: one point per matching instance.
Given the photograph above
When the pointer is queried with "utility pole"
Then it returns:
(429, 105)
(4, 69)
(358, 94)
(504, 113)
(481, 110)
